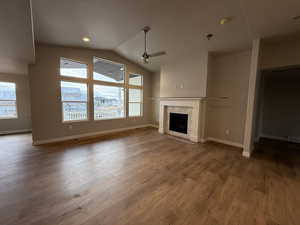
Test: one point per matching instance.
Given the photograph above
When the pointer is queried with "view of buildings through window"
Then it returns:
(8, 100)
(108, 102)
(108, 90)
(109, 96)
(74, 101)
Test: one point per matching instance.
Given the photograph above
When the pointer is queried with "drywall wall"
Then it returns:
(45, 93)
(228, 77)
(281, 109)
(185, 77)
(23, 122)
(280, 54)
(12, 66)
(155, 97)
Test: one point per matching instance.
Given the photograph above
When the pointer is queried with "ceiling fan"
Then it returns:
(146, 56)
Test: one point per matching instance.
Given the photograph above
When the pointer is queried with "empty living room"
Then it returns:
(146, 112)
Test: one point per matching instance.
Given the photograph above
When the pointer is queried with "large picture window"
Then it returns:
(109, 86)
(135, 102)
(8, 100)
(108, 102)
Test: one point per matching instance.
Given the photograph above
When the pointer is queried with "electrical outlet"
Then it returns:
(227, 132)
(181, 86)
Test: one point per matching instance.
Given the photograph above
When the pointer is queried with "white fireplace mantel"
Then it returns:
(195, 108)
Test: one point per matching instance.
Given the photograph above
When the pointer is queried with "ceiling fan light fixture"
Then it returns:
(146, 56)
(225, 20)
(86, 39)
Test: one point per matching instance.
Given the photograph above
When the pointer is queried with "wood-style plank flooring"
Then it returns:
(144, 178)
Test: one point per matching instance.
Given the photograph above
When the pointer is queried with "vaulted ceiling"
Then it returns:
(16, 36)
(178, 27)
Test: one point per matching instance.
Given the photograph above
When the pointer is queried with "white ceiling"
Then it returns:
(178, 27)
(16, 37)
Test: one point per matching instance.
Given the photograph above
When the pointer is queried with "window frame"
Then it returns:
(141, 88)
(124, 103)
(90, 82)
(77, 61)
(112, 62)
(63, 78)
(16, 102)
(113, 84)
(134, 84)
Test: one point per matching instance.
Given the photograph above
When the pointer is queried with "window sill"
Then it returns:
(115, 118)
(133, 117)
(74, 121)
(9, 118)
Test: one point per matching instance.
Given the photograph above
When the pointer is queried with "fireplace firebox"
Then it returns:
(178, 122)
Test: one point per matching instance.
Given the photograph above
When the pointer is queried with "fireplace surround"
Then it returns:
(193, 108)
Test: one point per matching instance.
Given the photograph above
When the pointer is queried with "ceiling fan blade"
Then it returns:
(157, 54)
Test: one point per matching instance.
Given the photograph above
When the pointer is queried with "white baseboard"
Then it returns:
(91, 134)
(15, 131)
(246, 154)
(235, 144)
(154, 125)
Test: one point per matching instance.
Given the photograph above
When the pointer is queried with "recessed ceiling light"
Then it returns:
(225, 20)
(86, 39)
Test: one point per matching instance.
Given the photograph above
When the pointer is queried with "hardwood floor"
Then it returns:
(142, 177)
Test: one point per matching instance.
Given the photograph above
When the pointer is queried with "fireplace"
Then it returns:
(178, 122)
(182, 117)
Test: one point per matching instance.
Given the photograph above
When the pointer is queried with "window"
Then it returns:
(135, 79)
(108, 71)
(135, 103)
(71, 68)
(8, 100)
(108, 102)
(109, 86)
(74, 101)
(74, 90)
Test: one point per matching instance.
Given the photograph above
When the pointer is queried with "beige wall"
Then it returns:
(185, 77)
(23, 122)
(45, 93)
(155, 97)
(285, 53)
(228, 77)
(12, 66)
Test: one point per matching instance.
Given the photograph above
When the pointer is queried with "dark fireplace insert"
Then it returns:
(178, 122)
